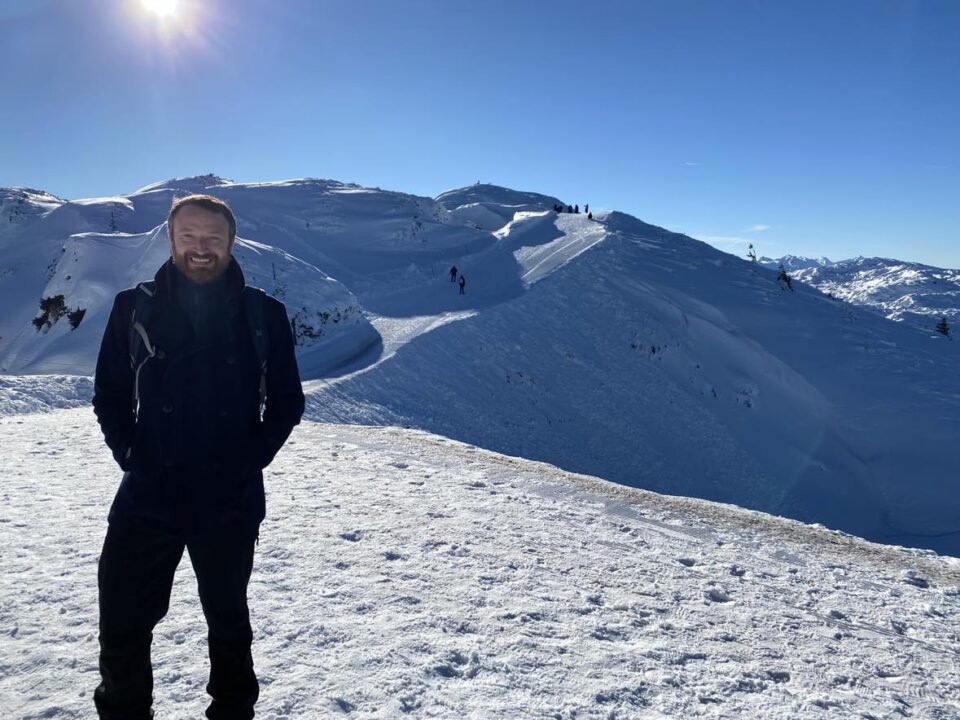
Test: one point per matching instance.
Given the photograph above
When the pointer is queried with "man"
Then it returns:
(178, 391)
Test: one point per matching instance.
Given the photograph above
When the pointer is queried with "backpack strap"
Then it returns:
(141, 349)
(254, 303)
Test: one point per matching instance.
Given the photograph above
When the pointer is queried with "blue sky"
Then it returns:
(804, 127)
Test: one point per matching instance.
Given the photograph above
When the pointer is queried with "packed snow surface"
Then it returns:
(402, 574)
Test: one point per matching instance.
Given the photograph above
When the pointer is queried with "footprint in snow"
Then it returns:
(457, 665)
(400, 465)
(343, 706)
(688, 562)
(912, 577)
(605, 632)
(629, 696)
(351, 535)
(778, 676)
(716, 595)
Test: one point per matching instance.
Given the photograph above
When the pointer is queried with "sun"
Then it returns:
(162, 8)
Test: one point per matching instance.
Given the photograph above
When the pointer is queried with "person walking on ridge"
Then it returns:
(463, 282)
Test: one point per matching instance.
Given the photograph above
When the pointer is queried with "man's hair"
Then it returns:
(207, 202)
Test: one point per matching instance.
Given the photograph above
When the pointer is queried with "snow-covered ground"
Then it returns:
(402, 574)
(614, 348)
(609, 347)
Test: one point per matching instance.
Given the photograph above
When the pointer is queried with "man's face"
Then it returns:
(200, 243)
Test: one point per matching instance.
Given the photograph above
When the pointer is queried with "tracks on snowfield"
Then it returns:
(405, 574)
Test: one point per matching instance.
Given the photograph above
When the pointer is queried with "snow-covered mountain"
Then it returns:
(911, 292)
(793, 263)
(609, 347)
(402, 574)
(490, 207)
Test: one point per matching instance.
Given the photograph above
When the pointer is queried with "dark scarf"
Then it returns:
(203, 304)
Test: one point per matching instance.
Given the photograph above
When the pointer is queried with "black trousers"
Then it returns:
(135, 577)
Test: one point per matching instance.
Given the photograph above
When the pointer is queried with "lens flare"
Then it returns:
(162, 8)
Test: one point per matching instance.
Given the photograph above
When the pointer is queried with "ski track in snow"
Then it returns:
(401, 574)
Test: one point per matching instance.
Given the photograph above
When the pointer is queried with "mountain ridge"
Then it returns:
(607, 346)
(904, 291)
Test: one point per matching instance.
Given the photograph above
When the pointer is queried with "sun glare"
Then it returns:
(162, 8)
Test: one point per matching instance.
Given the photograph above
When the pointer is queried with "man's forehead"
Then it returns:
(200, 218)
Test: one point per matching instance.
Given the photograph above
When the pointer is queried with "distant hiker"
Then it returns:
(783, 277)
(463, 282)
(196, 389)
(569, 208)
(586, 208)
(589, 216)
(453, 274)
(576, 209)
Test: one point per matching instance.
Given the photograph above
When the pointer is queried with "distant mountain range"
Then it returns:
(900, 290)
(608, 346)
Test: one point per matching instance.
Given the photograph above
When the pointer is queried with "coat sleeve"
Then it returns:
(284, 402)
(113, 387)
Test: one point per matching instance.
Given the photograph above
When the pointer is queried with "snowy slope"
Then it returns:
(653, 360)
(93, 267)
(609, 347)
(295, 228)
(490, 207)
(914, 293)
(401, 574)
(21, 206)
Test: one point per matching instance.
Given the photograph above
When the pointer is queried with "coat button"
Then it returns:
(223, 413)
(231, 359)
(168, 408)
(160, 354)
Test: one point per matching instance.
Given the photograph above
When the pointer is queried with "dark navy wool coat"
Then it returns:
(194, 453)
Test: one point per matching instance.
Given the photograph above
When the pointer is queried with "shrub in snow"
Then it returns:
(75, 316)
(943, 328)
(52, 309)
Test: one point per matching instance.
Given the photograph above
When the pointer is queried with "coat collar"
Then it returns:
(175, 325)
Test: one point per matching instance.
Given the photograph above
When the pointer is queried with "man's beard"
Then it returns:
(201, 268)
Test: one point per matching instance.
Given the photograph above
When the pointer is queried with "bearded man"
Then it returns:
(196, 390)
